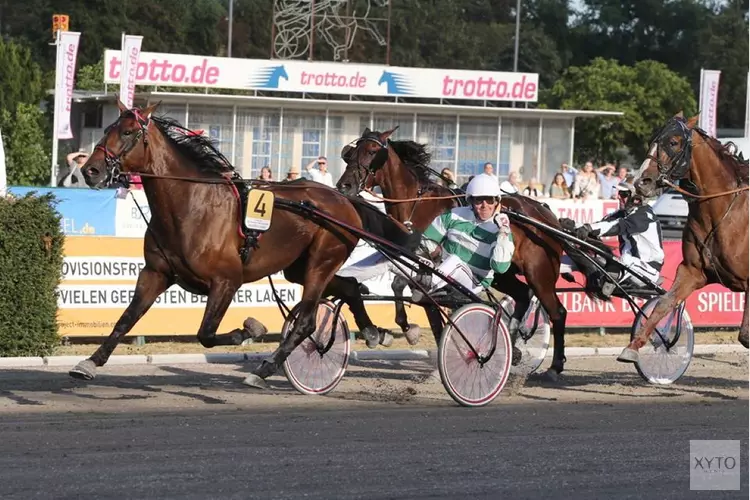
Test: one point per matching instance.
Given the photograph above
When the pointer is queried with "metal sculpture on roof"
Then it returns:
(297, 24)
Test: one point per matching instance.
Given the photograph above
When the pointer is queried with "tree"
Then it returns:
(26, 146)
(647, 93)
(21, 78)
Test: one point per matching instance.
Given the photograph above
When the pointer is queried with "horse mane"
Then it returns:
(415, 157)
(727, 153)
(202, 152)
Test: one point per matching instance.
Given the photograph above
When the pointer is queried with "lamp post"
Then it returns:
(518, 32)
(231, 15)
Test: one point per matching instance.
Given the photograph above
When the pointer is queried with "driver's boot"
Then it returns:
(425, 281)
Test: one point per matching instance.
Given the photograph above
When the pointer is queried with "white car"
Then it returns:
(671, 209)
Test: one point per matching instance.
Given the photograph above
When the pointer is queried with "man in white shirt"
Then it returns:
(511, 185)
(320, 174)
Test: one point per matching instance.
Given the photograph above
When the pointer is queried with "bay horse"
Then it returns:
(401, 170)
(196, 236)
(714, 181)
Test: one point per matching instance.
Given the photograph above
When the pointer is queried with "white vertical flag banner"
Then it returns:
(3, 175)
(65, 73)
(709, 100)
(131, 49)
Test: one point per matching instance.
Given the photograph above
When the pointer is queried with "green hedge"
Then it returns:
(31, 257)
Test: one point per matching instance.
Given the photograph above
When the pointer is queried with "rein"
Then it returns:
(421, 198)
(704, 196)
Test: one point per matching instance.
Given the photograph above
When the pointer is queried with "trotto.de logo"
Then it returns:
(157, 69)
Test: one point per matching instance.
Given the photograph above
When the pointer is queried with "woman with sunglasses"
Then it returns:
(639, 234)
(476, 241)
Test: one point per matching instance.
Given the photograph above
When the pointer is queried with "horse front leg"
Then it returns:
(410, 330)
(151, 283)
(688, 280)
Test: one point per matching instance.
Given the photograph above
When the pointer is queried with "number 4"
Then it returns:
(260, 209)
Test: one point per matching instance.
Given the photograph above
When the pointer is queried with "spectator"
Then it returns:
(532, 191)
(448, 180)
(559, 189)
(320, 174)
(608, 181)
(586, 185)
(74, 177)
(265, 174)
(464, 185)
(622, 174)
(569, 174)
(489, 170)
(511, 185)
(292, 174)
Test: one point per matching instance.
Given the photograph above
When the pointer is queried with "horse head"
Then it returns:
(123, 147)
(363, 158)
(669, 155)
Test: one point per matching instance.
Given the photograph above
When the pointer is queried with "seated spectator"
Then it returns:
(586, 186)
(531, 190)
(448, 174)
(265, 174)
(608, 181)
(292, 174)
(559, 189)
(489, 169)
(511, 185)
(74, 177)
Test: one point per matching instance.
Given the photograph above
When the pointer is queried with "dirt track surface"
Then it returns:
(194, 431)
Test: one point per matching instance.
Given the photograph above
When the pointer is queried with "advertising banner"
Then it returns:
(85, 212)
(709, 100)
(65, 72)
(99, 277)
(324, 77)
(131, 47)
(713, 305)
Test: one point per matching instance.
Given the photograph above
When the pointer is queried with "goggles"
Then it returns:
(478, 200)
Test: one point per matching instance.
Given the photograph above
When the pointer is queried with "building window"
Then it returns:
(477, 145)
(257, 141)
(440, 136)
(262, 150)
(555, 147)
(311, 146)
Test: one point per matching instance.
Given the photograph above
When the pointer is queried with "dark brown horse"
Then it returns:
(714, 181)
(400, 169)
(195, 236)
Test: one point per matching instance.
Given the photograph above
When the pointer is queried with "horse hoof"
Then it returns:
(628, 355)
(412, 334)
(255, 328)
(85, 370)
(552, 375)
(743, 340)
(255, 381)
(371, 336)
(517, 355)
(386, 339)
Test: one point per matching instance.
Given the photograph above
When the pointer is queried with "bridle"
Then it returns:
(674, 172)
(113, 161)
(363, 174)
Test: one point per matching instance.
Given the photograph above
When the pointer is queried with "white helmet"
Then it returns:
(483, 185)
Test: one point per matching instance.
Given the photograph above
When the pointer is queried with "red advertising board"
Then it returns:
(712, 305)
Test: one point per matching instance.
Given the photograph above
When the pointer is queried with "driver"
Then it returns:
(639, 234)
(476, 241)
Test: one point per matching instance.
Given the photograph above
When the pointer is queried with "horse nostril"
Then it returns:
(93, 172)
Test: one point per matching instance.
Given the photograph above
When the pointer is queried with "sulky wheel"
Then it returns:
(533, 335)
(472, 381)
(318, 364)
(664, 364)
